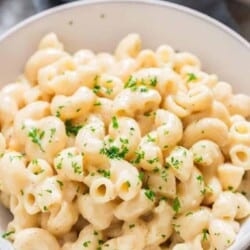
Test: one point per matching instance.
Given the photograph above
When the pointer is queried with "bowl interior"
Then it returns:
(99, 25)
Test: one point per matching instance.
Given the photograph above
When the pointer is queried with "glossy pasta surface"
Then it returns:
(135, 150)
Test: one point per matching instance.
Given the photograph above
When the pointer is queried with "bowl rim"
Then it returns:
(201, 16)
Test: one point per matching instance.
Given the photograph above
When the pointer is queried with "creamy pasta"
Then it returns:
(135, 150)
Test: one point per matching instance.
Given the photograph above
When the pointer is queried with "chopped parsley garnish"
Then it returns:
(105, 173)
(77, 168)
(86, 243)
(139, 156)
(113, 152)
(189, 213)
(153, 81)
(39, 171)
(109, 91)
(97, 103)
(52, 133)
(200, 179)
(143, 89)
(175, 162)
(7, 234)
(191, 77)
(58, 111)
(176, 205)
(149, 194)
(198, 159)
(154, 160)
(59, 164)
(141, 176)
(131, 83)
(230, 188)
(164, 175)
(150, 138)
(96, 87)
(115, 123)
(36, 136)
(131, 226)
(72, 129)
(204, 234)
(60, 183)
(34, 161)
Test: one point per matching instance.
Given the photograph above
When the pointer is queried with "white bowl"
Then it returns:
(99, 25)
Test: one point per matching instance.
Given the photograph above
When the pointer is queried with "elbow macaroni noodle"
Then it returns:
(136, 150)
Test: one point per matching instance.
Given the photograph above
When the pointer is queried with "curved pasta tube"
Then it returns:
(41, 59)
(182, 59)
(26, 116)
(169, 129)
(129, 102)
(222, 234)
(148, 155)
(16, 92)
(132, 209)
(93, 212)
(13, 173)
(129, 46)
(89, 238)
(240, 156)
(201, 98)
(212, 190)
(181, 161)
(59, 78)
(50, 41)
(108, 86)
(162, 182)
(178, 104)
(216, 110)
(21, 219)
(230, 176)
(35, 238)
(189, 200)
(146, 59)
(133, 237)
(60, 219)
(165, 54)
(125, 133)
(225, 206)
(102, 107)
(124, 68)
(47, 194)
(44, 138)
(239, 104)
(83, 57)
(125, 178)
(89, 141)
(222, 92)
(198, 218)
(79, 104)
(160, 227)
(164, 80)
(102, 190)
(69, 164)
(8, 110)
(243, 206)
(39, 170)
(207, 128)
(239, 133)
(207, 155)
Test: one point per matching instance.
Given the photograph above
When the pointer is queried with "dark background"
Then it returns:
(234, 13)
